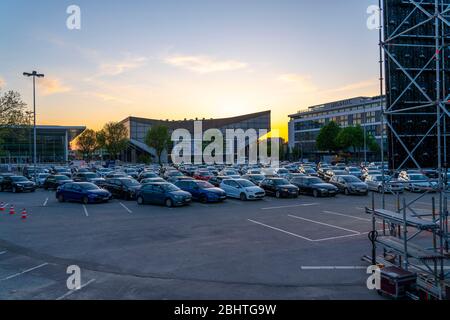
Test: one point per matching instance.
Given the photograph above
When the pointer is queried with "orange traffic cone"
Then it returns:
(24, 214)
(11, 210)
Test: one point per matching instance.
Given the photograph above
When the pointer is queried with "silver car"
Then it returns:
(375, 183)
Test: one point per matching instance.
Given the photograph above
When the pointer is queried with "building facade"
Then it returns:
(138, 127)
(52, 144)
(304, 126)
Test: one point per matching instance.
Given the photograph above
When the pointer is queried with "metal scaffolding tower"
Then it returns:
(414, 50)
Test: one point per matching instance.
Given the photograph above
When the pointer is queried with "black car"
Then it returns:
(255, 178)
(164, 194)
(216, 181)
(17, 184)
(315, 186)
(88, 177)
(55, 181)
(123, 188)
(279, 187)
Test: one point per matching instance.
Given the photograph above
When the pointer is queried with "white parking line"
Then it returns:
(292, 206)
(333, 268)
(3, 252)
(73, 291)
(281, 230)
(346, 215)
(85, 211)
(326, 224)
(45, 202)
(23, 272)
(125, 207)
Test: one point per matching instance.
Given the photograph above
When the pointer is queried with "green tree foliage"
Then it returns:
(351, 137)
(158, 138)
(113, 138)
(87, 143)
(14, 118)
(326, 140)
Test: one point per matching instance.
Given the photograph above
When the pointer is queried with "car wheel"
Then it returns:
(243, 197)
(316, 194)
(278, 194)
(85, 200)
(346, 192)
(14, 190)
(203, 199)
(61, 198)
(380, 190)
(169, 203)
(140, 200)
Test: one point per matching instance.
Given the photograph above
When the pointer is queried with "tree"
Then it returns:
(372, 143)
(14, 118)
(351, 137)
(158, 138)
(113, 138)
(326, 140)
(87, 143)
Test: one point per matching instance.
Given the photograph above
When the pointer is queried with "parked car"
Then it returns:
(242, 189)
(255, 178)
(375, 183)
(282, 172)
(417, 182)
(122, 188)
(350, 185)
(203, 175)
(17, 184)
(354, 171)
(202, 191)
(315, 186)
(84, 192)
(370, 172)
(175, 179)
(279, 187)
(163, 193)
(332, 173)
(152, 180)
(216, 181)
(147, 174)
(54, 181)
(40, 179)
(88, 177)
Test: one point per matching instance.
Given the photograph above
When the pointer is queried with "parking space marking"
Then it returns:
(45, 202)
(281, 230)
(346, 215)
(85, 211)
(23, 272)
(325, 224)
(333, 268)
(3, 252)
(125, 207)
(292, 206)
(73, 291)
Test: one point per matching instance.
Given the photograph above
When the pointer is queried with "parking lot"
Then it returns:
(305, 248)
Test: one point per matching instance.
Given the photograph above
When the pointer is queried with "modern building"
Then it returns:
(138, 128)
(52, 144)
(305, 125)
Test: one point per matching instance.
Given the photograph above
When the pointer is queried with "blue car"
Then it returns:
(202, 191)
(84, 192)
(163, 193)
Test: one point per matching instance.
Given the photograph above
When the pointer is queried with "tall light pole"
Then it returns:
(35, 75)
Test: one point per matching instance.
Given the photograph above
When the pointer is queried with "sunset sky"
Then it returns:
(170, 59)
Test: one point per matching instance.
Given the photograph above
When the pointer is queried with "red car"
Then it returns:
(203, 175)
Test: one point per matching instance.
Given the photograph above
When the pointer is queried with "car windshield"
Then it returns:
(204, 174)
(130, 182)
(245, 183)
(417, 177)
(280, 182)
(314, 181)
(258, 177)
(205, 185)
(43, 175)
(175, 174)
(19, 179)
(61, 178)
(88, 186)
(90, 175)
(282, 171)
(170, 187)
(351, 179)
(354, 170)
(231, 172)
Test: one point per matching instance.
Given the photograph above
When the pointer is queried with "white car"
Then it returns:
(375, 183)
(417, 182)
(282, 172)
(242, 189)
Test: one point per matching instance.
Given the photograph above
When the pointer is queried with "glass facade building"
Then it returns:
(304, 126)
(52, 144)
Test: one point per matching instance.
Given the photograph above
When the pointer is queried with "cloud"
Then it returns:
(302, 82)
(111, 98)
(120, 67)
(2, 83)
(51, 86)
(357, 85)
(204, 64)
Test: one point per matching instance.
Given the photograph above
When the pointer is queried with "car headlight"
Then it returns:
(323, 190)
(285, 190)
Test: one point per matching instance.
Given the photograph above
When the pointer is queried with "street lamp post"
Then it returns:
(34, 74)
